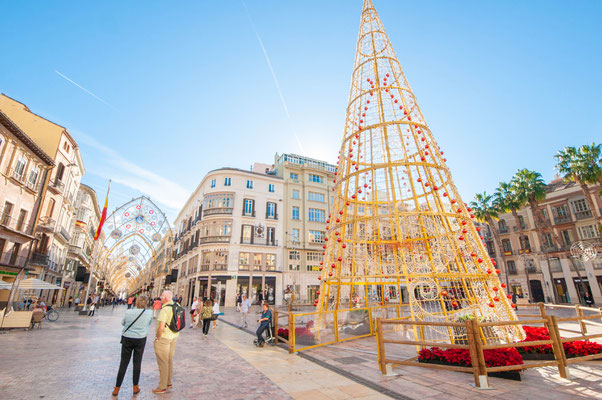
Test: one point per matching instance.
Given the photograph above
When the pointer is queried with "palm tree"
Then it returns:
(583, 166)
(485, 210)
(531, 189)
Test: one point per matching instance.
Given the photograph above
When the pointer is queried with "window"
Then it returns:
(249, 184)
(511, 268)
(243, 261)
(294, 255)
(249, 209)
(227, 181)
(527, 244)
(293, 267)
(295, 213)
(316, 178)
(313, 268)
(271, 210)
(317, 236)
(522, 222)
(294, 176)
(20, 168)
(21, 220)
(221, 200)
(212, 183)
(295, 235)
(580, 205)
(548, 241)
(270, 262)
(6, 213)
(246, 234)
(561, 211)
(503, 226)
(314, 256)
(50, 208)
(60, 170)
(296, 194)
(33, 177)
(313, 196)
(566, 237)
(257, 259)
(271, 188)
(317, 215)
(588, 232)
(506, 246)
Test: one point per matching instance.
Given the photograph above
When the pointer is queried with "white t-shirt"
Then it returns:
(245, 306)
(216, 308)
(194, 305)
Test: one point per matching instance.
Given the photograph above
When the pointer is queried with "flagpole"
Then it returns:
(96, 237)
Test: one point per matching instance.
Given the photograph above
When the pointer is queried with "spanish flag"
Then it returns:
(103, 217)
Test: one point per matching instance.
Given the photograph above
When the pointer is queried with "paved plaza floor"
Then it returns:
(77, 357)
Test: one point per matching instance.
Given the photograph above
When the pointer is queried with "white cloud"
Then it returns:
(122, 171)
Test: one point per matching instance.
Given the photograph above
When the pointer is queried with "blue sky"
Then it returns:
(183, 88)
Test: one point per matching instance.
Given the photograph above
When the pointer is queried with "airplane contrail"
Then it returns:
(267, 59)
(83, 88)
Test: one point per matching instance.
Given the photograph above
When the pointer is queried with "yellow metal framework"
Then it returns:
(399, 231)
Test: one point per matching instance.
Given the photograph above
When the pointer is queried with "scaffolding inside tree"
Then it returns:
(398, 223)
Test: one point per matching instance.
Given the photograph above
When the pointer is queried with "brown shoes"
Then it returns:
(136, 389)
(115, 391)
(159, 391)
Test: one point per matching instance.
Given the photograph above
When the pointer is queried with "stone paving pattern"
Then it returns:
(77, 357)
(358, 360)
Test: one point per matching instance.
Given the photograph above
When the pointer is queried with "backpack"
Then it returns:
(178, 318)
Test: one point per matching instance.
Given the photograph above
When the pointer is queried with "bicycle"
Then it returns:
(52, 315)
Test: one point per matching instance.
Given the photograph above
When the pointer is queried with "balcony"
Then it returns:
(218, 211)
(260, 241)
(39, 259)
(8, 258)
(247, 214)
(56, 186)
(504, 230)
(79, 252)
(205, 267)
(220, 267)
(562, 219)
(583, 214)
(64, 234)
(508, 252)
(532, 269)
(215, 239)
(47, 224)
(268, 216)
(15, 225)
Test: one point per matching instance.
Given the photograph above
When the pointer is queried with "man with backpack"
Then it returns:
(169, 323)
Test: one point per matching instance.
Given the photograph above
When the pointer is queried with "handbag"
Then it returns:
(126, 329)
(214, 317)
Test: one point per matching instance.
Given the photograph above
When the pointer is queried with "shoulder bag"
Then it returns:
(126, 329)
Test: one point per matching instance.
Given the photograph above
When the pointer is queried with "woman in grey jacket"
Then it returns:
(136, 323)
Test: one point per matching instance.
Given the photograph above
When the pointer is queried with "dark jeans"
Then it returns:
(262, 327)
(91, 312)
(127, 346)
(206, 325)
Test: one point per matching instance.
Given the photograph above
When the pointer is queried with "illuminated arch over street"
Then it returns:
(132, 232)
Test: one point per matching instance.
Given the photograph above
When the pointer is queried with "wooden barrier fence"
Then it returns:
(476, 346)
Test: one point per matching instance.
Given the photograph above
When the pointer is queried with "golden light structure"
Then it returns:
(398, 222)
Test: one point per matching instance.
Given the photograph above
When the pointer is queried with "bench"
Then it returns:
(16, 319)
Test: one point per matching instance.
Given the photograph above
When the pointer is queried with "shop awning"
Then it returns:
(5, 285)
(33, 283)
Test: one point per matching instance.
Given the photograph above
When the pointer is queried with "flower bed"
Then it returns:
(302, 335)
(461, 357)
(571, 349)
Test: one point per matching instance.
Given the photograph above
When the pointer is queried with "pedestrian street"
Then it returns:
(77, 357)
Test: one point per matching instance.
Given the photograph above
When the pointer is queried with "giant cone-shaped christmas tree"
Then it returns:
(398, 222)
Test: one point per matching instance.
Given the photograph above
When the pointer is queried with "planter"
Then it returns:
(538, 356)
(511, 375)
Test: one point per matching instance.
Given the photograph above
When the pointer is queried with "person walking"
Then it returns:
(264, 323)
(113, 302)
(70, 302)
(165, 343)
(245, 310)
(136, 323)
(238, 302)
(156, 307)
(216, 313)
(92, 310)
(130, 301)
(195, 303)
(206, 314)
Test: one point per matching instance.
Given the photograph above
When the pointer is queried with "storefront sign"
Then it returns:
(8, 273)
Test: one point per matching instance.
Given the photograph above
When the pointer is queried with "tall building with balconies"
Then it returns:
(81, 243)
(308, 198)
(227, 237)
(541, 270)
(56, 213)
(24, 166)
